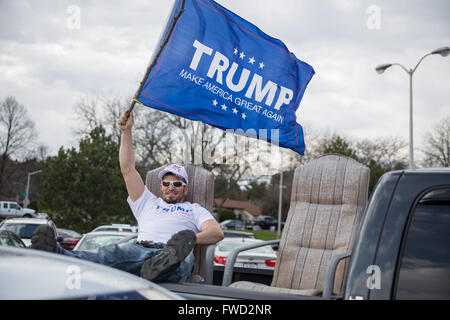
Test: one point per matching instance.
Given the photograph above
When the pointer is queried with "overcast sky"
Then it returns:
(49, 58)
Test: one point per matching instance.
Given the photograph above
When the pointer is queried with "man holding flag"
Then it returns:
(168, 227)
(215, 67)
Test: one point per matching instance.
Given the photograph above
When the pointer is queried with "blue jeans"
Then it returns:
(130, 257)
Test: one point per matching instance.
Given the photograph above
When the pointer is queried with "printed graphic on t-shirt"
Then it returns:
(174, 210)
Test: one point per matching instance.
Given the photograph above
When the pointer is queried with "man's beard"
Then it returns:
(174, 200)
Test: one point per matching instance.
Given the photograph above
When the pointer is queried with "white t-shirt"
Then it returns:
(158, 220)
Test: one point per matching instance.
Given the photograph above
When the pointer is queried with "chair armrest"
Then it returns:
(328, 284)
(228, 272)
(209, 264)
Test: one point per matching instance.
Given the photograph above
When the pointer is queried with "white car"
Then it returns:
(258, 258)
(24, 227)
(14, 210)
(38, 275)
(92, 241)
(117, 227)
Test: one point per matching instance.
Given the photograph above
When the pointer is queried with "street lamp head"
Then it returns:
(380, 69)
(444, 51)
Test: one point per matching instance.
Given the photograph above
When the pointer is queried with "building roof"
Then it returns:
(237, 204)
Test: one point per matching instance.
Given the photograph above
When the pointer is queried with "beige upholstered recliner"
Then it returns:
(201, 183)
(329, 195)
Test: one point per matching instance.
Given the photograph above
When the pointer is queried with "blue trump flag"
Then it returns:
(218, 68)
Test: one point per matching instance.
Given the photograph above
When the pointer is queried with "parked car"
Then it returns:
(10, 239)
(13, 209)
(42, 215)
(117, 227)
(92, 241)
(68, 238)
(265, 222)
(38, 275)
(237, 234)
(258, 258)
(231, 224)
(24, 227)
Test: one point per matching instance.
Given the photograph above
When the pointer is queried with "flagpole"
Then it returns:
(155, 59)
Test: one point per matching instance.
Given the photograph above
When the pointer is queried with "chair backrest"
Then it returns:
(201, 183)
(329, 195)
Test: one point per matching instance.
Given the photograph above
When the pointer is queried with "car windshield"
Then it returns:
(93, 242)
(23, 230)
(107, 229)
(231, 245)
(9, 240)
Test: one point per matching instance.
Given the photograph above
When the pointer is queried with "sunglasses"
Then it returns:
(177, 184)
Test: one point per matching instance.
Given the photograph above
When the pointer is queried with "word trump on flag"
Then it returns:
(218, 68)
(220, 64)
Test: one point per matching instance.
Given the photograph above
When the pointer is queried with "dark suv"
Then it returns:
(265, 222)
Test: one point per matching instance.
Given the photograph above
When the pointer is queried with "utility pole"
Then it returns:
(26, 201)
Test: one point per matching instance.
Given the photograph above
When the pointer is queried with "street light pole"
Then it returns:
(26, 201)
(280, 205)
(444, 51)
(411, 136)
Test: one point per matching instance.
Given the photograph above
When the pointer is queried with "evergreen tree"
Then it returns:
(84, 189)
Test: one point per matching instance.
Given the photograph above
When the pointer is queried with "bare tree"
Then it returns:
(155, 138)
(113, 107)
(17, 134)
(152, 133)
(386, 151)
(437, 148)
(86, 115)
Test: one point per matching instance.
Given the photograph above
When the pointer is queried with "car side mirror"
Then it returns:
(59, 239)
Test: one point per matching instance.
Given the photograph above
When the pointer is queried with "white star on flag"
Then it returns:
(224, 107)
(244, 116)
(235, 111)
(251, 60)
(242, 55)
(214, 102)
(261, 65)
(235, 51)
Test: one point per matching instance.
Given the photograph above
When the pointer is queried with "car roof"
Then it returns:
(110, 233)
(26, 220)
(35, 274)
(116, 225)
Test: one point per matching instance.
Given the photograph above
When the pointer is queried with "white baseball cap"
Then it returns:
(175, 169)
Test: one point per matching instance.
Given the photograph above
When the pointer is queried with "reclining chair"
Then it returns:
(201, 183)
(329, 195)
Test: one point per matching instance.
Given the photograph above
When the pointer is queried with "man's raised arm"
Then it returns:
(133, 181)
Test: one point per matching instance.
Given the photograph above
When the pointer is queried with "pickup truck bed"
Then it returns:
(401, 250)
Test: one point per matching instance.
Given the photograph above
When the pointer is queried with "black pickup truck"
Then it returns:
(403, 247)
(402, 250)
